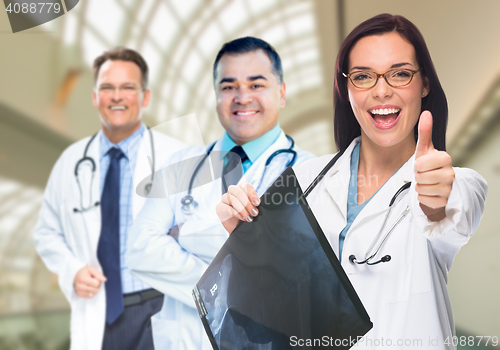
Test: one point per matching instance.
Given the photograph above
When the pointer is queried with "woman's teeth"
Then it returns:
(384, 111)
(385, 117)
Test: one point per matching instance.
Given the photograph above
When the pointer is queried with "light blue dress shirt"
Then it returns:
(130, 284)
(254, 148)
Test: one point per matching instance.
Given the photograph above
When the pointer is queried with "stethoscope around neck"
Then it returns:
(190, 205)
(86, 158)
(369, 256)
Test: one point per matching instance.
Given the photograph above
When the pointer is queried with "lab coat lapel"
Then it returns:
(142, 169)
(337, 179)
(92, 218)
(255, 173)
(213, 193)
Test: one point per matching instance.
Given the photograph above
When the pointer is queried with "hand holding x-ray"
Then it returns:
(238, 204)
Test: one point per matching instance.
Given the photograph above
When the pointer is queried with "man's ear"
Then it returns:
(94, 98)
(146, 98)
(282, 95)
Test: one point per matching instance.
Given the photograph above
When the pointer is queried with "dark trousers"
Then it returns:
(132, 330)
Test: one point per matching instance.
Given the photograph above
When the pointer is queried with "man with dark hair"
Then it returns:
(246, 45)
(250, 93)
(83, 240)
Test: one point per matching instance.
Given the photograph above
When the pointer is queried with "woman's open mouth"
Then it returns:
(385, 118)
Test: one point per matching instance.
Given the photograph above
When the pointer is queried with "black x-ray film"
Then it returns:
(277, 280)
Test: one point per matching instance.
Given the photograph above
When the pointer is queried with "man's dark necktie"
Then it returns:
(233, 170)
(108, 249)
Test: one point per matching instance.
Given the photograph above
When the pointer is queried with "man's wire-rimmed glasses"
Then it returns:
(128, 89)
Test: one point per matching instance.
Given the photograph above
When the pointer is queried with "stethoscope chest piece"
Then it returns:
(189, 205)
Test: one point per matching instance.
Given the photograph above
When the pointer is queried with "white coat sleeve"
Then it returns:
(50, 239)
(463, 214)
(204, 238)
(157, 258)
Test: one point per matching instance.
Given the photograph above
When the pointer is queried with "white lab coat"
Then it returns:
(67, 241)
(174, 267)
(406, 298)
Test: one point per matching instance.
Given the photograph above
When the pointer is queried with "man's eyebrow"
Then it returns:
(250, 78)
(256, 77)
(396, 65)
(227, 80)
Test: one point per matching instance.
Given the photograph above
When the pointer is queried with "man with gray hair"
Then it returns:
(82, 229)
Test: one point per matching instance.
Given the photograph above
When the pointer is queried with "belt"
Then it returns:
(140, 297)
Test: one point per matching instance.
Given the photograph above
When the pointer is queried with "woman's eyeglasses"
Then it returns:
(394, 77)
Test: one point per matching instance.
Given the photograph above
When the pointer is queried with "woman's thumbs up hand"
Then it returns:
(434, 173)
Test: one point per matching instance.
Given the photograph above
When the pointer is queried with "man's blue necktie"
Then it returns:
(108, 249)
(232, 170)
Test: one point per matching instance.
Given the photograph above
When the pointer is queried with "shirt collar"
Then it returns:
(254, 148)
(123, 145)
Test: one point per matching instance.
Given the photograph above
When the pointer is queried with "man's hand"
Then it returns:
(434, 173)
(238, 204)
(87, 282)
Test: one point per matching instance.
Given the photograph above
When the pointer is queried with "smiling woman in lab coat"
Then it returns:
(390, 125)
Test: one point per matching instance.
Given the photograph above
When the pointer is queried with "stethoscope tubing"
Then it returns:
(92, 162)
(391, 203)
(198, 167)
(189, 204)
(368, 259)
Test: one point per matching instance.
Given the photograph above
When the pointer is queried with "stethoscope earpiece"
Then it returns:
(76, 210)
(353, 260)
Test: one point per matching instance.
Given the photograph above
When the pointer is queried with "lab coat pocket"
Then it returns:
(81, 230)
(67, 221)
(408, 272)
(165, 332)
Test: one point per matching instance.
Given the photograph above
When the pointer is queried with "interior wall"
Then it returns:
(474, 279)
